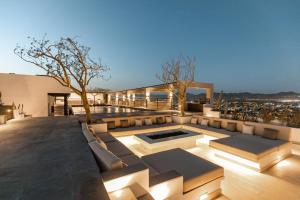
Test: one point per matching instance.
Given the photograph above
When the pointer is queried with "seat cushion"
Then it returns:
(195, 171)
(106, 137)
(247, 129)
(204, 122)
(106, 159)
(118, 148)
(160, 120)
(270, 133)
(194, 120)
(124, 123)
(138, 122)
(216, 124)
(148, 122)
(169, 119)
(111, 125)
(231, 126)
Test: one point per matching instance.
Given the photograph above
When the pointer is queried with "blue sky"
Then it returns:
(239, 45)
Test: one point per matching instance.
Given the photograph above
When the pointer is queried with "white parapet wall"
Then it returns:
(285, 133)
(208, 111)
(31, 91)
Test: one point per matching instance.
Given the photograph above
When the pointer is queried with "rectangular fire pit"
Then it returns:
(165, 140)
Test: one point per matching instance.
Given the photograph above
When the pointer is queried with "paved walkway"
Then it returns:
(46, 158)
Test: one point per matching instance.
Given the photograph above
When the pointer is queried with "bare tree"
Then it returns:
(179, 72)
(67, 61)
(266, 114)
(218, 105)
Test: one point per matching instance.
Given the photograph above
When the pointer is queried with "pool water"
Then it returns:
(105, 109)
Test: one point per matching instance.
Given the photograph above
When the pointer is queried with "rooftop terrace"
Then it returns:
(49, 158)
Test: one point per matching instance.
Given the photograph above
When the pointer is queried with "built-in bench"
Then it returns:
(241, 149)
(211, 131)
(117, 163)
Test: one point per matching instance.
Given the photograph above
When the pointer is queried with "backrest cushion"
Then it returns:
(87, 133)
(270, 133)
(194, 120)
(231, 126)
(106, 159)
(124, 123)
(102, 144)
(160, 120)
(204, 122)
(216, 124)
(247, 129)
(169, 119)
(148, 121)
(138, 122)
(111, 125)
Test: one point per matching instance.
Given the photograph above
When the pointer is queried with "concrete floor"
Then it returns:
(46, 158)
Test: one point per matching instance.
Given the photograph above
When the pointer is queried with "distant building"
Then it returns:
(35, 93)
(39, 94)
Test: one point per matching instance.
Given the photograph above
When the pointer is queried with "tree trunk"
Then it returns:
(181, 99)
(86, 107)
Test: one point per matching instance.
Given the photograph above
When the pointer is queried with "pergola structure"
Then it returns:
(141, 97)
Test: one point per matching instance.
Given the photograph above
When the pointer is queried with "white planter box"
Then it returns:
(99, 128)
(182, 119)
(2, 119)
(208, 111)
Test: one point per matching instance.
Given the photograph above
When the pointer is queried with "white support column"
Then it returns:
(147, 98)
(170, 99)
(108, 98)
(117, 99)
(210, 94)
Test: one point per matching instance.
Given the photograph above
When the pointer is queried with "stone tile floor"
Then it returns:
(46, 158)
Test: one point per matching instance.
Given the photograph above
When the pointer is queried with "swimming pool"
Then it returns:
(105, 109)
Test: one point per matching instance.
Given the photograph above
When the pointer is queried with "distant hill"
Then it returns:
(248, 95)
(243, 95)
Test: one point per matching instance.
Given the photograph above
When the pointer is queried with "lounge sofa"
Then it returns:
(260, 153)
(116, 163)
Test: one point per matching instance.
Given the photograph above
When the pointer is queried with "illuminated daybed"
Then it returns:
(253, 151)
(201, 178)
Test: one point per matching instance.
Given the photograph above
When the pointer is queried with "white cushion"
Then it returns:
(204, 122)
(138, 122)
(102, 144)
(107, 160)
(168, 119)
(247, 129)
(87, 133)
(194, 120)
(148, 121)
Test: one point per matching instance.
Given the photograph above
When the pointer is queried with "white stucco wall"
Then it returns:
(31, 91)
